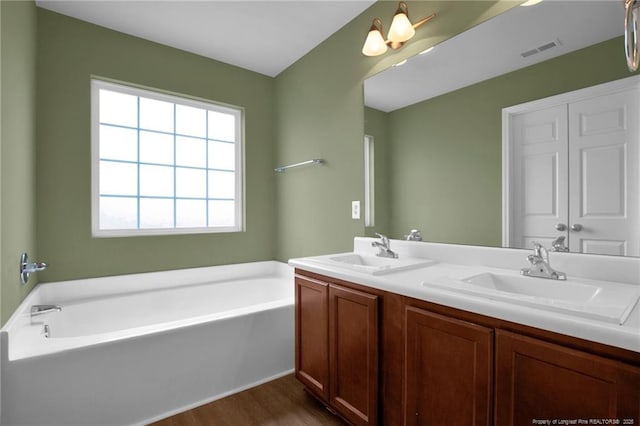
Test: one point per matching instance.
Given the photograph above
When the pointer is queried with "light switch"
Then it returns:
(355, 210)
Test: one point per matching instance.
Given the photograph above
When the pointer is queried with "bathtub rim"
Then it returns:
(79, 289)
(149, 281)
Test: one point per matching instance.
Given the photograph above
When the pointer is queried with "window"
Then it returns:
(369, 182)
(163, 164)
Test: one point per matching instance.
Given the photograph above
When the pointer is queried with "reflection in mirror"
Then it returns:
(570, 171)
(438, 118)
(369, 181)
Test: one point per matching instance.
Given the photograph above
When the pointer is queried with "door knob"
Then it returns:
(561, 227)
(576, 227)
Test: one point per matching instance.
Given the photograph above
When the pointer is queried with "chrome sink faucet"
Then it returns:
(558, 244)
(413, 235)
(384, 247)
(540, 266)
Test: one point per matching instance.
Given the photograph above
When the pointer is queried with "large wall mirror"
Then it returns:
(437, 120)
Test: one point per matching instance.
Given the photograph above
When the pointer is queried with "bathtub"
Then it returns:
(133, 349)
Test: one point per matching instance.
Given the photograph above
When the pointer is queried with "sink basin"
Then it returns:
(600, 300)
(548, 289)
(376, 265)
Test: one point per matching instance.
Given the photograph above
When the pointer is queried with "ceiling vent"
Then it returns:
(541, 48)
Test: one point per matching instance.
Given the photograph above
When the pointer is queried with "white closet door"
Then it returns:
(603, 182)
(539, 165)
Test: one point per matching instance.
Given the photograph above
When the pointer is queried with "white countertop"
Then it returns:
(452, 261)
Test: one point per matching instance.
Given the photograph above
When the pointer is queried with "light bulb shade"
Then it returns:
(401, 28)
(374, 45)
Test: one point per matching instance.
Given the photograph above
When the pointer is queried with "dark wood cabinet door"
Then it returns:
(536, 380)
(448, 371)
(353, 344)
(312, 340)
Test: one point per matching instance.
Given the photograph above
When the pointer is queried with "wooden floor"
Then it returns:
(280, 402)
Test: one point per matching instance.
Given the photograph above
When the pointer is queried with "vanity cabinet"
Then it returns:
(449, 370)
(353, 354)
(376, 357)
(537, 380)
(312, 335)
(464, 368)
(337, 347)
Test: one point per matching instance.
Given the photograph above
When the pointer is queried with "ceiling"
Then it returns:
(267, 36)
(495, 47)
(264, 36)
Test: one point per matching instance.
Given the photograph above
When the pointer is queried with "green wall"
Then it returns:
(446, 153)
(313, 109)
(17, 148)
(319, 105)
(69, 53)
(376, 124)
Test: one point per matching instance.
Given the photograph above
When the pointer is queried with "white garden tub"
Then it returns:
(132, 349)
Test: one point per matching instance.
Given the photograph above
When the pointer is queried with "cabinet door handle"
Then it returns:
(561, 227)
(576, 227)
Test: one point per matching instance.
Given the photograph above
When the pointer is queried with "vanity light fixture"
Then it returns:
(400, 32)
(375, 45)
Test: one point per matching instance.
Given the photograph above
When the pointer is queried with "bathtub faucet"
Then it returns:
(44, 309)
(27, 268)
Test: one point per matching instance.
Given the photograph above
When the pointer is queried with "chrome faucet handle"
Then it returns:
(384, 238)
(540, 251)
(559, 245)
(537, 249)
(384, 247)
(414, 235)
(27, 268)
(540, 266)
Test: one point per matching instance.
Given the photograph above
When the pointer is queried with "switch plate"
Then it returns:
(355, 210)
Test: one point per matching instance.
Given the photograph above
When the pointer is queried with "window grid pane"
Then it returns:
(171, 167)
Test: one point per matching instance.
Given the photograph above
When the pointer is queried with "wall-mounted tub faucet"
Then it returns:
(44, 309)
(27, 268)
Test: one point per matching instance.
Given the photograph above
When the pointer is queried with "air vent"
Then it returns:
(529, 53)
(541, 48)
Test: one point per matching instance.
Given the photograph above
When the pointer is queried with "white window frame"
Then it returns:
(238, 112)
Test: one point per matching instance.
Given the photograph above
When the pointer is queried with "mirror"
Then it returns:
(436, 121)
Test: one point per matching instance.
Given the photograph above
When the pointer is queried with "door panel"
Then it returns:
(577, 164)
(603, 178)
(539, 176)
(312, 341)
(448, 371)
(615, 248)
(536, 380)
(353, 335)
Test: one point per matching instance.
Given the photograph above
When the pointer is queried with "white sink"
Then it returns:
(600, 300)
(526, 286)
(375, 265)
